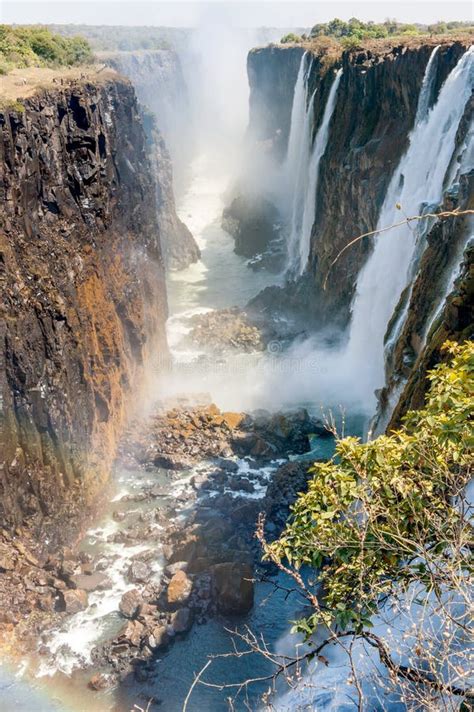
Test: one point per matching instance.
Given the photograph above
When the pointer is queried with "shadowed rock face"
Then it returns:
(272, 73)
(374, 113)
(159, 82)
(84, 300)
(418, 348)
(179, 246)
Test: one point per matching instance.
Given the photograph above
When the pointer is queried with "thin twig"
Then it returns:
(406, 221)
(196, 680)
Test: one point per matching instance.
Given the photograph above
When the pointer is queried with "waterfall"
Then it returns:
(295, 169)
(417, 182)
(426, 88)
(301, 167)
(319, 147)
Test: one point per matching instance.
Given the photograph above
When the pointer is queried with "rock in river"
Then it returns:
(179, 588)
(233, 587)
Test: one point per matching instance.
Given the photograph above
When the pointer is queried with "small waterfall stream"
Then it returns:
(319, 147)
(301, 168)
(416, 186)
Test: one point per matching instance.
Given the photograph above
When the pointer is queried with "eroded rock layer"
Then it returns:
(83, 295)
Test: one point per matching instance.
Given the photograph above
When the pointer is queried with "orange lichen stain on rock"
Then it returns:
(105, 320)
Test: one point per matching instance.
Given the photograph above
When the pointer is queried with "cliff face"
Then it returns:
(272, 73)
(84, 300)
(180, 249)
(374, 113)
(159, 82)
(440, 304)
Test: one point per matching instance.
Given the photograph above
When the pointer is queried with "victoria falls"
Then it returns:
(237, 357)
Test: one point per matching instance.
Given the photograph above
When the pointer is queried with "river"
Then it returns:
(54, 679)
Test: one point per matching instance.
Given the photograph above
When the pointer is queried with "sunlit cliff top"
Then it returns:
(21, 83)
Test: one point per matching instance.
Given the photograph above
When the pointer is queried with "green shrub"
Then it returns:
(290, 38)
(386, 514)
(38, 47)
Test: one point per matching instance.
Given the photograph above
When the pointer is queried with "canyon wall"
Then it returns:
(272, 73)
(161, 89)
(84, 297)
(375, 110)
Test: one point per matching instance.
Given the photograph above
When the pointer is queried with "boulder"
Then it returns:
(139, 572)
(171, 569)
(101, 681)
(172, 462)
(158, 638)
(130, 603)
(132, 632)
(7, 559)
(233, 587)
(90, 582)
(179, 588)
(74, 600)
(182, 620)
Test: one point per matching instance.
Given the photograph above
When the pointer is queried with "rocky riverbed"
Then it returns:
(177, 547)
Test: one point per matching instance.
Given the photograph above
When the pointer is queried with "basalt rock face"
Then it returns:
(161, 89)
(438, 305)
(375, 110)
(84, 300)
(272, 73)
(158, 79)
(440, 308)
(179, 246)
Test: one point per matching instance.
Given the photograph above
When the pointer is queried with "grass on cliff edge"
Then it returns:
(38, 47)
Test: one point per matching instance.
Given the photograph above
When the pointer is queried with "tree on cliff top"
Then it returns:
(38, 47)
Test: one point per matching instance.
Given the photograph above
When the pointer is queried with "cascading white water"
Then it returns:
(426, 88)
(319, 147)
(295, 169)
(418, 181)
(301, 169)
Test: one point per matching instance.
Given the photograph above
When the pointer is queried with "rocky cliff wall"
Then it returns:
(161, 89)
(83, 295)
(374, 113)
(272, 73)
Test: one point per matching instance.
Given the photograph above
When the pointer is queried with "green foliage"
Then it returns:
(352, 33)
(290, 38)
(383, 515)
(38, 47)
(355, 30)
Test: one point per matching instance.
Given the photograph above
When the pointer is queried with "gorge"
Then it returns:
(181, 315)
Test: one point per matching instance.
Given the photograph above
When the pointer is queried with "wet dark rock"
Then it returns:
(171, 462)
(286, 483)
(181, 620)
(255, 225)
(233, 587)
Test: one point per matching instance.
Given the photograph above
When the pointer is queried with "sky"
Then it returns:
(250, 13)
